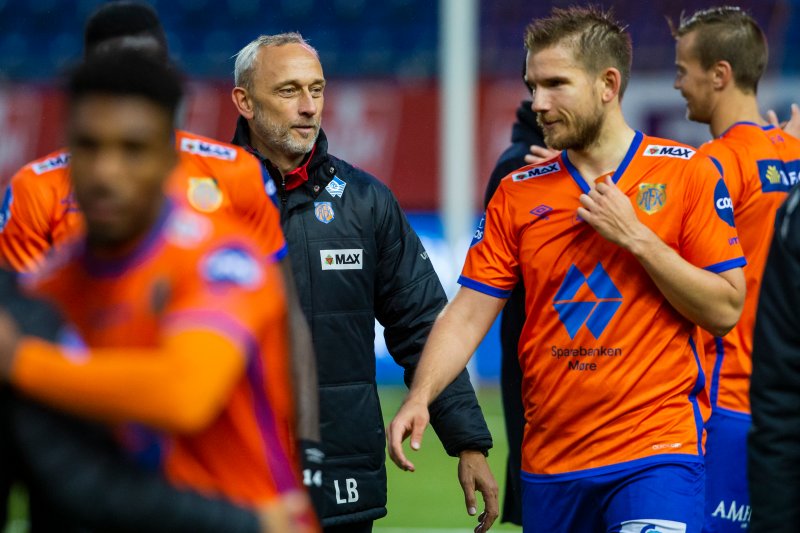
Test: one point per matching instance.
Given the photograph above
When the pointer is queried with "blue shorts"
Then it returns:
(644, 496)
(727, 499)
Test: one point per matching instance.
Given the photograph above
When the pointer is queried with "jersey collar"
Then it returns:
(576, 176)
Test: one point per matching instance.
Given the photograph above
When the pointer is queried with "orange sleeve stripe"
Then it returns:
(179, 387)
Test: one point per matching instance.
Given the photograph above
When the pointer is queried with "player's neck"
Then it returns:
(607, 152)
(732, 108)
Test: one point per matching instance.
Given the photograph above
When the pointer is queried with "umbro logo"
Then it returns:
(595, 310)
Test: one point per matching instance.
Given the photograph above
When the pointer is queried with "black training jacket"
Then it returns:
(774, 441)
(355, 258)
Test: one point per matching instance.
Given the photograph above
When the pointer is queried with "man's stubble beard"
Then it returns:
(280, 136)
(585, 132)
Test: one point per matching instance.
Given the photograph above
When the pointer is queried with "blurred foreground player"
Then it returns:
(721, 54)
(183, 321)
(618, 276)
(98, 487)
(219, 179)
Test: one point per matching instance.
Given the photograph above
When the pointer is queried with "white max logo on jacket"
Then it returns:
(345, 259)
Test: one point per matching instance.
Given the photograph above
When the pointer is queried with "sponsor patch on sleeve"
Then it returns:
(232, 265)
(5, 207)
(723, 203)
(478, 235)
(678, 152)
(208, 149)
(51, 163)
(541, 170)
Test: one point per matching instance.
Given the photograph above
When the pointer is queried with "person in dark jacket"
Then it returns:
(355, 259)
(74, 470)
(524, 133)
(773, 466)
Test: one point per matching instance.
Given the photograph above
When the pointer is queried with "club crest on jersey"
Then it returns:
(534, 172)
(52, 163)
(324, 212)
(657, 150)
(232, 265)
(207, 149)
(336, 187)
(204, 194)
(651, 197)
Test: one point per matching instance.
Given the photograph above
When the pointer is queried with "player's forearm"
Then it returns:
(453, 339)
(178, 387)
(712, 301)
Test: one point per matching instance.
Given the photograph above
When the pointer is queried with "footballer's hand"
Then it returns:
(411, 419)
(792, 126)
(474, 475)
(9, 340)
(290, 513)
(610, 212)
(540, 154)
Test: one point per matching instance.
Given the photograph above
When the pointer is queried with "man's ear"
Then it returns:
(244, 105)
(722, 75)
(611, 82)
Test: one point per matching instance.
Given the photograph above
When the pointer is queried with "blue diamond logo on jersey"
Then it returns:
(595, 312)
(323, 211)
(336, 187)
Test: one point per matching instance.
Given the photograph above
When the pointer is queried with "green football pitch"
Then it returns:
(428, 500)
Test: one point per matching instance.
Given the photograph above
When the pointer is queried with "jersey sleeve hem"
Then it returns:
(281, 253)
(482, 287)
(726, 265)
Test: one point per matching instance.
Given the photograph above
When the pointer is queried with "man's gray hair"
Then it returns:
(243, 69)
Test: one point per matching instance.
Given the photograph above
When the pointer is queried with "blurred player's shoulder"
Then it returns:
(52, 168)
(208, 151)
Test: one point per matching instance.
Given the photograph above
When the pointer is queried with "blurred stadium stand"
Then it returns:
(356, 38)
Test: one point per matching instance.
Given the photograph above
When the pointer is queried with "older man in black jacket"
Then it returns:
(355, 259)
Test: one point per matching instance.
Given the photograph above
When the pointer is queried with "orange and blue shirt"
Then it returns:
(39, 211)
(193, 288)
(612, 373)
(760, 165)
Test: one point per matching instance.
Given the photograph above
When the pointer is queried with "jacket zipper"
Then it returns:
(283, 192)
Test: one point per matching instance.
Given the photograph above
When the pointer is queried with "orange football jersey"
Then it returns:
(612, 373)
(40, 212)
(760, 165)
(144, 319)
